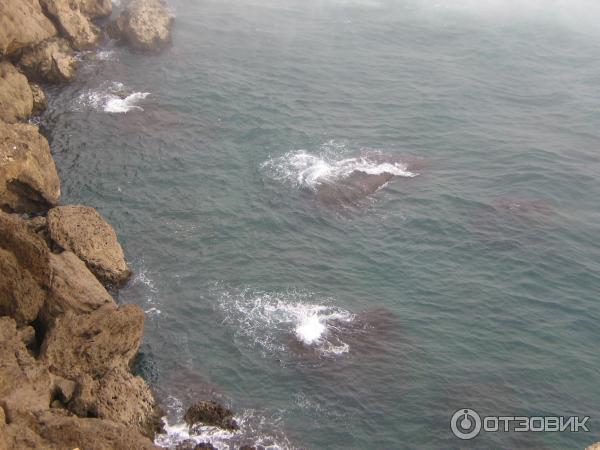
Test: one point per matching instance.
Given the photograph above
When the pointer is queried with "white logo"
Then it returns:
(465, 424)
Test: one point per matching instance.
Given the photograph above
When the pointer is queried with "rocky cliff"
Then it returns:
(66, 346)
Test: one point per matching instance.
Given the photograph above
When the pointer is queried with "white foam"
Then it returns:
(105, 55)
(179, 432)
(310, 329)
(116, 104)
(108, 98)
(252, 426)
(142, 280)
(307, 170)
(268, 320)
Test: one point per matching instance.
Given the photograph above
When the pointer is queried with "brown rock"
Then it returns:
(61, 430)
(144, 24)
(63, 389)
(40, 102)
(22, 24)
(72, 22)
(210, 412)
(52, 61)
(24, 268)
(19, 436)
(95, 8)
(16, 99)
(93, 343)
(83, 231)
(25, 384)
(20, 295)
(37, 224)
(29, 249)
(27, 336)
(28, 178)
(120, 397)
(74, 288)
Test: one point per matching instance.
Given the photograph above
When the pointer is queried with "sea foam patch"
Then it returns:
(112, 97)
(331, 163)
(290, 322)
(254, 428)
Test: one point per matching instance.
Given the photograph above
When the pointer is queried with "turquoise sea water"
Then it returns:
(473, 284)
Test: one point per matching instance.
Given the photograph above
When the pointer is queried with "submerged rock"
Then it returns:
(72, 22)
(52, 61)
(209, 412)
(28, 178)
(83, 231)
(22, 24)
(144, 24)
(16, 98)
(352, 189)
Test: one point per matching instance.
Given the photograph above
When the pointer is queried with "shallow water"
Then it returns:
(470, 279)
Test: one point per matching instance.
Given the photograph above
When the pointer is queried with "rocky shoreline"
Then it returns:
(66, 346)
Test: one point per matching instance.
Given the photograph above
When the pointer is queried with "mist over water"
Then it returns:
(465, 274)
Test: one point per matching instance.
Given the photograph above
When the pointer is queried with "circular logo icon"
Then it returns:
(465, 424)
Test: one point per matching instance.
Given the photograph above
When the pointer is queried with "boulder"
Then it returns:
(74, 288)
(28, 178)
(52, 61)
(25, 384)
(72, 22)
(120, 397)
(95, 8)
(595, 446)
(29, 249)
(22, 24)
(16, 99)
(83, 231)
(144, 24)
(25, 271)
(40, 102)
(60, 430)
(95, 343)
(19, 436)
(209, 412)
(20, 296)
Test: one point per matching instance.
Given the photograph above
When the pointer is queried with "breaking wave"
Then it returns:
(307, 170)
(112, 98)
(252, 429)
(287, 322)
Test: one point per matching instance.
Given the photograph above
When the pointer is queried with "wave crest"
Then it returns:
(288, 322)
(111, 98)
(307, 170)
